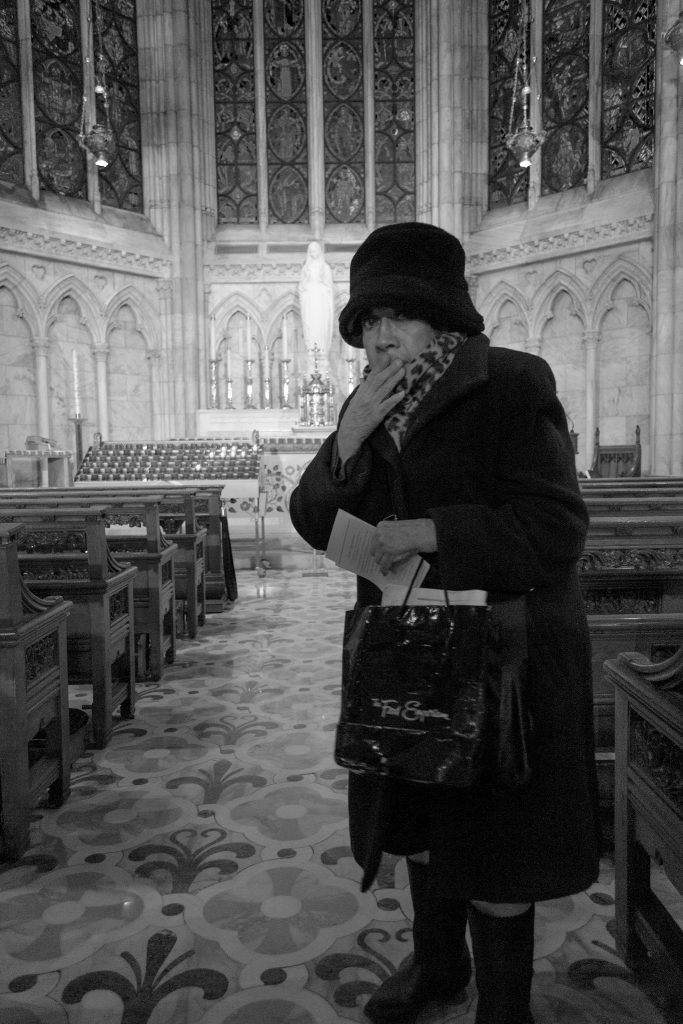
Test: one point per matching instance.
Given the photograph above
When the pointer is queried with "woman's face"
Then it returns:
(389, 334)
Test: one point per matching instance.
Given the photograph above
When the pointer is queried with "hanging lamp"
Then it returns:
(673, 37)
(99, 138)
(522, 140)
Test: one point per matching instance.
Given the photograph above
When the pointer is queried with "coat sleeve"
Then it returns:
(533, 530)
(322, 491)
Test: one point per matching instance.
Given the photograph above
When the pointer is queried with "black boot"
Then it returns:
(440, 966)
(503, 949)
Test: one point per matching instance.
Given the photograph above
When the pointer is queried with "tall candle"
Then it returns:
(229, 362)
(77, 384)
(248, 336)
(284, 336)
(212, 337)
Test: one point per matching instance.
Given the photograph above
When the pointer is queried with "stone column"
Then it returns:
(40, 349)
(156, 387)
(314, 102)
(533, 345)
(451, 69)
(590, 342)
(666, 416)
(100, 356)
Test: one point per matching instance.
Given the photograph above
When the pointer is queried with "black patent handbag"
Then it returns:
(436, 694)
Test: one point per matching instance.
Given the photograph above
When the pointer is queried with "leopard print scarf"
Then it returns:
(420, 376)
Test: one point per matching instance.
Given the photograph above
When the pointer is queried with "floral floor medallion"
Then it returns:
(200, 871)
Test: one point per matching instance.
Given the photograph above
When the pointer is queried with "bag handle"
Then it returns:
(412, 584)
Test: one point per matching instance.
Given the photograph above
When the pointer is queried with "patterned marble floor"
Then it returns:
(200, 872)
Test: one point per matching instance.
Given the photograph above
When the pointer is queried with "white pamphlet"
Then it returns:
(349, 548)
(394, 594)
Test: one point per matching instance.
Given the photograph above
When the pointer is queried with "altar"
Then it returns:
(243, 422)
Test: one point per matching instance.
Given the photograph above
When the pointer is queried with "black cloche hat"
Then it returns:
(417, 268)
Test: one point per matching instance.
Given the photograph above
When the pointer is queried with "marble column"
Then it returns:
(666, 416)
(450, 102)
(100, 356)
(40, 350)
(590, 343)
(156, 387)
(316, 141)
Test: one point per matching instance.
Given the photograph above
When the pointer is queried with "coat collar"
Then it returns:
(468, 370)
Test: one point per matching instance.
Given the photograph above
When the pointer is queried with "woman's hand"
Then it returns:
(396, 540)
(374, 399)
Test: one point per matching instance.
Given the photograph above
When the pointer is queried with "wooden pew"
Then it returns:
(649, 812)
(65, 552)
(221, 583)
(178, 517)
(33, 698)
(134, 534)
(631, 574)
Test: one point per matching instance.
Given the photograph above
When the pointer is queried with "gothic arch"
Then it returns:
(224, 312)
(28, 302)
(286, 304)
(544, 299)
(146, 321)
(91, 309)
(601, 296)
(502, 293)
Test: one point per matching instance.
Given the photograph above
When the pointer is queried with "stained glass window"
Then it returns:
(394, 59)
(58, 90)
(626, 86)
(342, 39)
(508, 182)
(285, 74)
(628, 90)
(266, 73)
(11, 137)
(116, 40)
(566, 37)
(234, 97)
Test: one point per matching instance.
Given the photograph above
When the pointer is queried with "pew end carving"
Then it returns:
(616, 460)
(648, 806)
(33, 699)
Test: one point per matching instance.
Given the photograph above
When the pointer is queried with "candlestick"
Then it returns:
(77, 383)
(78, 422)
(352, 364)
(250, 385)
(228, 394)
(284, 384)
(213, 364)
(212, 337)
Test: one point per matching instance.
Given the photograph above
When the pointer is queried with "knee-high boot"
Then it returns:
(440, 966)
(503, 949)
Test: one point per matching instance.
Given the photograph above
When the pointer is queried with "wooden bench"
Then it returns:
(64, 552)
(631, 574)
(178, 518)
(221, 582)
(616, 460)
(33, 698)
(133, 532)
(649, 808)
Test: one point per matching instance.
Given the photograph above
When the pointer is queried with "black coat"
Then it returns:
(487, 456)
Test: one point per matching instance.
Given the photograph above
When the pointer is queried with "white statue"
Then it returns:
(316, 300)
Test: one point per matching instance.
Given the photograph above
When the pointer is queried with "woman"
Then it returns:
(467, 448)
